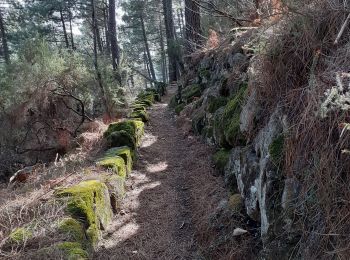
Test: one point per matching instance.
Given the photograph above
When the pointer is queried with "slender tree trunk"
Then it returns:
(106, 23)
(98, 38)
(193, 26)
(148, 52)
(96, 65)
(4, 39)
(113, 35)
(64, 29)
(71, 30)
(171, 48)
(162, 50)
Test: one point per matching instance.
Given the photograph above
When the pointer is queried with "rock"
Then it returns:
(114, 163)
(89, 202)
(239, 232)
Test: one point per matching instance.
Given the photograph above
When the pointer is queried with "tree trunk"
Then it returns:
(193, 26)
(171, 48)
(113, 35)
(4, 39)
(96, 65)
(162, 50)
(148, 52)
(71, 30)
(106, 24)
(64, 29)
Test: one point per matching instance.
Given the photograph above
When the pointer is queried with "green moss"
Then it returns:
(20, 235)
(179, 108)
(121, 138)
(135, 128)
(161, 88)
(173, 102)
(215, 103)
(74, 229)
(140, 114)
(115, 163)
(89, 202)
(235, 203)
(231, 118)
(124, 152)
(204, 73)
(276, 150)
(139, 108)
(72, 251)
(221, 159)
(190, 92)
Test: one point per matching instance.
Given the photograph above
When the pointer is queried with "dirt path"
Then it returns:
(157, 220)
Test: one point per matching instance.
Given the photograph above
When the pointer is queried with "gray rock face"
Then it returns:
(265, 193)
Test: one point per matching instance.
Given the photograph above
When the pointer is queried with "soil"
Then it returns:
(169, 193)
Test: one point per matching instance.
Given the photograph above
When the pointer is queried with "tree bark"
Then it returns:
(171, 48)
(193, 26)
(4, 39)
(162, 50)
(96, 65)
(64, 29)
(148, 52)
(71, 30)
(106, 24)
(113, 35)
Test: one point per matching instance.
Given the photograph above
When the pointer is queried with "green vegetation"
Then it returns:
(74, 229)
(179, 108)
(73, 251)
(231, 118)
(124, 152)
(89, 202)
(115, 163)
(276, 150)
(221, 159)
(215, 103)
(140, 114)
(134, 128)
(20, 235)
(121, 138)
(190, 92)
(235, 203)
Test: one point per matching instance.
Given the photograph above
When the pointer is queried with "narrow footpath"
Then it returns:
(169, 194)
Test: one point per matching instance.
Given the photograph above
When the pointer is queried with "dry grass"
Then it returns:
(31, 204)
(299, 66)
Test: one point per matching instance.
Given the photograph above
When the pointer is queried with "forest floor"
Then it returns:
(170, 195)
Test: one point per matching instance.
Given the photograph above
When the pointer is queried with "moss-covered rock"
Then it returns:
(214, 103)
(89, 202)
(198, 122)
(72, 251)
(73, 229)
(121, 138)
(221, 159)
(190, 92)
(140, 114)
(20, 235)
(276, 150)
(231, 118)
(116, 188)
(235, 203)
(133, 127)
(124, 152)
(179, 108)
(115, 163)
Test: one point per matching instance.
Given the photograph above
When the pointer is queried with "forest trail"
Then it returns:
(156, 221)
